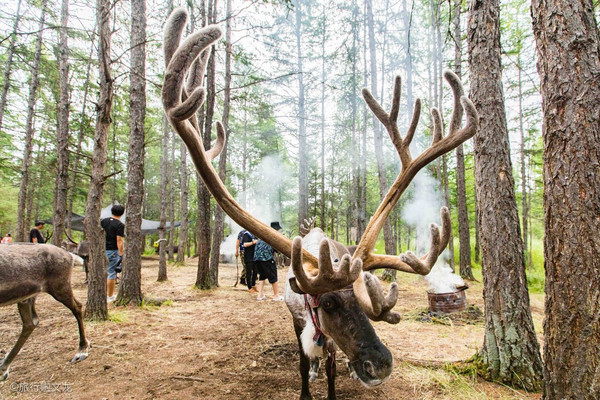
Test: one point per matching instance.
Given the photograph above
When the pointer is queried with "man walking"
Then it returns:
(115, 232)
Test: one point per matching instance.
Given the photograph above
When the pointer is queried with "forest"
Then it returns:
(83, 126)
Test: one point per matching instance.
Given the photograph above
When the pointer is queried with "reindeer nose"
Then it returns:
(370, 369)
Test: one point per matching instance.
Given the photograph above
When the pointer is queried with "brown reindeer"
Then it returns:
(28, 269)
(330, 293)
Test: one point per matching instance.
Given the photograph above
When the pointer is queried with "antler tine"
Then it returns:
(173, 32)
(325, 278)
(439, 241)
(306, 226)
(377, 307)
(457, 92)
(179, 64)
(196, 75)
(217, 148)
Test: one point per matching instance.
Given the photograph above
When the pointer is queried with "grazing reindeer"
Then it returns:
(330, 293)
(28, 269)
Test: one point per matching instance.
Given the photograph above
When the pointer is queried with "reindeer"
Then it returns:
(330, 293)
(28, 269)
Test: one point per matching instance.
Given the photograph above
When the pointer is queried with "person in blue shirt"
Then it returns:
(267, 270)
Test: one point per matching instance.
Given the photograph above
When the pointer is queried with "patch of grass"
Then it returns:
(152, 304)
(118, 316)
(536, 277)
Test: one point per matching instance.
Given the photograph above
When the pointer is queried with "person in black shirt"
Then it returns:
(114, 232)
(35, 236)
(248, 242)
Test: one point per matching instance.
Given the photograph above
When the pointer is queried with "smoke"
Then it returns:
(422, 209)
(419, 212)
(262, 197)
(227, 248)
(441, 279)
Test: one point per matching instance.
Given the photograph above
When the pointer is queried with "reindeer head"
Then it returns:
(347, 293)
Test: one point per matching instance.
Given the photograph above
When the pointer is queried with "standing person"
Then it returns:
(115, 232)
(35, 236)
(248, 242)
(239, 248)
(263, 260)
(7, 239)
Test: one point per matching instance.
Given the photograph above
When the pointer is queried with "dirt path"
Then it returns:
(222, 344)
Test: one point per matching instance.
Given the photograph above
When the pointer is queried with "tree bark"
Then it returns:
(183, 199)
(8, 65)
(510, 351)
(130, 290)
(568, 48)
(464, 235)
(302, 148)
(205, 278)
(96, 308)
(162, 231)
(378, 132)
(80, 135)
(61, 189)
(21, 235)
(218, 234)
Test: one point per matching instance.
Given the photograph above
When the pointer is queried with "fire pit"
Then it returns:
(448, 302)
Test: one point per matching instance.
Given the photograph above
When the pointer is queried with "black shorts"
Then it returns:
(266, 270)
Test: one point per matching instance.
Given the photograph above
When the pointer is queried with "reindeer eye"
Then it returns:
(328, 304)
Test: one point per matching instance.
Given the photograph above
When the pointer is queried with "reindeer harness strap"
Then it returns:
(312, 303)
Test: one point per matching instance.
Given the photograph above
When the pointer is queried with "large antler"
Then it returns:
(367, 289)
(189, 59)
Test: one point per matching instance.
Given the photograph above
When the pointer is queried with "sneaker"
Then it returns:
(112, 298)
(261, 298)
(280, 298)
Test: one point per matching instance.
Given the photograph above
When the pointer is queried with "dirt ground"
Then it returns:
(223, 344)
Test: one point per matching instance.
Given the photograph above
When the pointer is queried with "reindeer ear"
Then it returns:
(295, 286)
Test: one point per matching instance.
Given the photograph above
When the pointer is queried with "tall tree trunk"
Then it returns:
(377, 131)
(323, 24)
(464, 235)
(206, 278)
(21, 235)
(510, 351)
(8, 63)
(568, 63)
(130, 290)
(172, 189)
(80, 135)
(162, 236)
(183, 199)
(302, 147)
(62, 138)
(218, 234)
(96, 301)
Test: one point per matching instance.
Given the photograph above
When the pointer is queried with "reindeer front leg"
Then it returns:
(304, 364)
(330, 370)
(30, 321)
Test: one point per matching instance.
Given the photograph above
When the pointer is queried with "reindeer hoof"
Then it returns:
(79, 357)
(82, 354)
